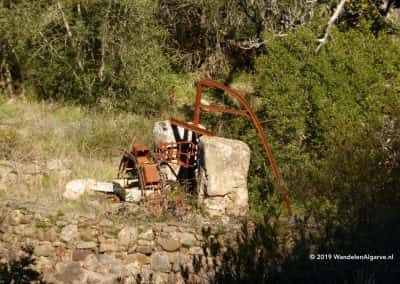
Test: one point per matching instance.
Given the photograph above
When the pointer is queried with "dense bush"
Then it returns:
(219, 37)
(87, 51)
(333, 112)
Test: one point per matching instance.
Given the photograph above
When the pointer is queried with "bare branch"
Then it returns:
(247, 44)
(64, 20)
(332, 20)
(104, 45)
(78, 6)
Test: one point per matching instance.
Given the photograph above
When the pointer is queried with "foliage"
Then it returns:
(333, 117)
(331, 110)
(91, 52)
(305, 254)
(372, 10)
(219, 37)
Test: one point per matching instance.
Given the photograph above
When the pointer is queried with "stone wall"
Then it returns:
(90, 248)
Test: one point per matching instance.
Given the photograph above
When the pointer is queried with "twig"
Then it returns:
(64, 20)
(247, 44)
(78, 6)
(103, 45)
(336, 14)
(8, 81)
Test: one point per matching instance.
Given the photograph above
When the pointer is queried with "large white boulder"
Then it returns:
(75, 188)
(223, 170)
(163, 132)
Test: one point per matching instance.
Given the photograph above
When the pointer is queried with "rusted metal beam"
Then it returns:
(191, 127)
(196, 120)
(223, 110)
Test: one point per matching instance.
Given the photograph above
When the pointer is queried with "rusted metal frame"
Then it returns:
(191, 127)
(172, 152)
(223, 110)
(256, 122)
(140, 168)
(124, 162)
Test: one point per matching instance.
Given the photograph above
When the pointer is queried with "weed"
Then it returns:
(42, 225)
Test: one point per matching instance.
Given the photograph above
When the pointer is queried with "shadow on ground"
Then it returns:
(260, 255)
(20, 270)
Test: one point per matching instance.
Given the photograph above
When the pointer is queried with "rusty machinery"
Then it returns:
(184, 153)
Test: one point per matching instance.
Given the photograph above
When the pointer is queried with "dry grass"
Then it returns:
(87, 142)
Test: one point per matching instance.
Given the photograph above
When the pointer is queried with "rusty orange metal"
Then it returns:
(184, 153)
(247, 111)
(180, 153)
(194, 128)
(139, 161)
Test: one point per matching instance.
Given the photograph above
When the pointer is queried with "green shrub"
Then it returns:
(94, 52)
(330, 110)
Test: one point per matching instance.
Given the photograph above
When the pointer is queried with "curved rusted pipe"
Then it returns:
(196, 120)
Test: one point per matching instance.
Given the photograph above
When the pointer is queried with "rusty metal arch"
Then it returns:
(247, 111)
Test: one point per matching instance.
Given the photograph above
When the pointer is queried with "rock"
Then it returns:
(16, 217)
(169, 245)
(187, 239)
(75, 188)
(138, 259)
(19, 229)
(147, 235)
(44, 264)
(30, 232)
(80, 254)
(145, 243)
(51, 235)
(59, 244)
(110, 279)
(161, 278)
(91, 262)
(118, 270)
(88, 234)
(225, 162)
(107, 258)
(216, 206)
(163, 132)
(69, 233)
(128, 235)
(133, 195)
(110, 245)
(169, 229)
(196, 251)
(106, 187)
(176, 278)
(86, 245)
(44, 250)
(69, 272)
(144, 250)
(93, 277)
(224, 165)
(106, 223)
(184, 261)
(134, 274)
(146, 275)
(159, 262)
